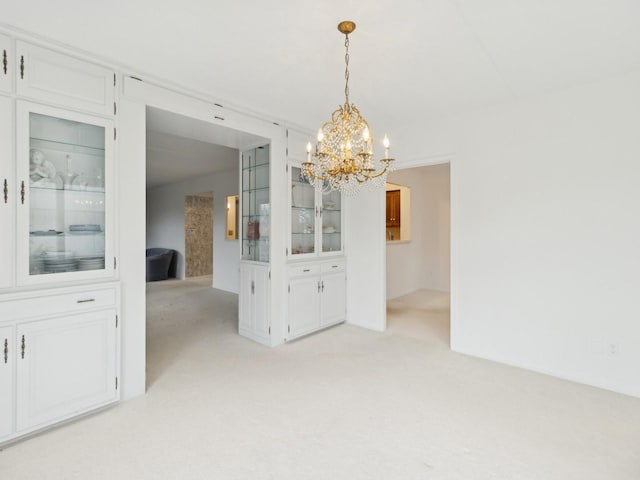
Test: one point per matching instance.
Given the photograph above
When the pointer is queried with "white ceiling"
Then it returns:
(411, 60)
(180, 148)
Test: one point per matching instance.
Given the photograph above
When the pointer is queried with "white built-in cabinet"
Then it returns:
(7, 347)
(59, 299)
(65, 195)
(316, 219)
(59, 79)
(8, 195)
(317, 297)
(7, 67)
(255, 292)
(61, 357)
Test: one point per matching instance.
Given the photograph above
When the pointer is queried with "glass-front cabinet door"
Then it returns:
(303, 215)
(255, 204)
(316, 219)
(64, 173)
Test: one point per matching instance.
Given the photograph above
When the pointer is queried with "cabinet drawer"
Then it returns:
(24, 308)
(303, 270)
(333, 267)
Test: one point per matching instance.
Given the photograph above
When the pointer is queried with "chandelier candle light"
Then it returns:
(343, 158)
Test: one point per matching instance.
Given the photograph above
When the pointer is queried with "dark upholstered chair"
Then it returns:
(158, 262)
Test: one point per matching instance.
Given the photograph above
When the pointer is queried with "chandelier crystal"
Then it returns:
(343, 157)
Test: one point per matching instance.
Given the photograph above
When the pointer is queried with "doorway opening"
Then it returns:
(418, 271)
(193, 168)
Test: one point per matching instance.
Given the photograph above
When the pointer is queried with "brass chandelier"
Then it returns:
(343, 158)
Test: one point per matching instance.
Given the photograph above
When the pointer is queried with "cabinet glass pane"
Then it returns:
(303, 214)
(331, 221)
(255, 204)
(66, 195)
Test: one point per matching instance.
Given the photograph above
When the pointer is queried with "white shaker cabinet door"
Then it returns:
(65, 366)
(6, 64)
(8, 194)
(7, 357)
(304, 305)
(334, 298)
(63, 80)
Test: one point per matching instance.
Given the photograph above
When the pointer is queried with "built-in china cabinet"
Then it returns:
(316, 270)
(59, 295)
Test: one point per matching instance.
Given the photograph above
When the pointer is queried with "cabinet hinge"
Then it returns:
(114, 133)
(116, 321)
(115, 108)
(116, 383)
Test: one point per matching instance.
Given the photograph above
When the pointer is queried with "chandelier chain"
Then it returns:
(346, 70)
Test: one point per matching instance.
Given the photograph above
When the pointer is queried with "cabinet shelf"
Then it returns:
(66, 147)
(73, 189)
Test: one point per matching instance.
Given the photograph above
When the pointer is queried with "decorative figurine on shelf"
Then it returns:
(41, 171)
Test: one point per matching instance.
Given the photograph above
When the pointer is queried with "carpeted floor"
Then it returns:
(343, 404)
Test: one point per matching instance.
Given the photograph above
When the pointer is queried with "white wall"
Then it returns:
(546, 234)
(165, 223)
(423, 262)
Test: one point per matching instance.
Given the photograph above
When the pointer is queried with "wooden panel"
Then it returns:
(54, 304)
(63, 80)
(7, 67)
(7, 357)
(393, 208)
(304, 305)
(6, 205)
(198, 238)
(68, 366)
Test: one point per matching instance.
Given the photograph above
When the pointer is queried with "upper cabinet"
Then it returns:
(64, 195)
(316, 219)
(6, 66)
(255, 204)
(7, 196)
(49, 76)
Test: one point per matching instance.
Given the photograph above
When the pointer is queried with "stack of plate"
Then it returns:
(58, 262)
(91, 263)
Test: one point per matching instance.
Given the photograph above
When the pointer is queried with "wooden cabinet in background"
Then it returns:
(393, 208)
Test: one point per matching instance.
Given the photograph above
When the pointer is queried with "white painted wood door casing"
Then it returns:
(64, 366)
(7, 359)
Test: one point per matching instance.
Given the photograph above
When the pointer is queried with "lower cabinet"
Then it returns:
(317, 297)
(6, 381)
(57, 364)
(253, 313)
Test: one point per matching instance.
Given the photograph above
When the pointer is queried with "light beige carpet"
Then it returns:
(344, 404)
